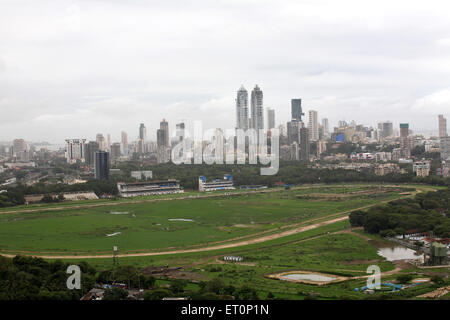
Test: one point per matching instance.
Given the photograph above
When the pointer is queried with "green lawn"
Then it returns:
(147, 225)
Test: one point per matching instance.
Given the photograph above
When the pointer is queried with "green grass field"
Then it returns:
(147, 226)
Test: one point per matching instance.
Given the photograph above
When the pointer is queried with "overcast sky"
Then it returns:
(71, 69)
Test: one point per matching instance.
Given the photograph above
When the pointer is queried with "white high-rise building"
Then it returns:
(270, 118)
(326, 128)
(442, 126)
(313, 126)
(75, 150)
(257, 108)
(19, 145)
(102, 144)
(124, 143)
(242, 109)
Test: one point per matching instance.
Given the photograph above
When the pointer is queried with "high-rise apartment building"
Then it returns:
(325, 127)
(296, 110)
(293, 131)
(442, 126)
(386, 129)
(124, 143)
(75, 150)
(102, 144)
(115, 151)
(162, 140)
(445, 148)
(313, 125)
(270, 118)
(91, 148)
(304, 144)
(257, 108)
(19, 145)
(242, 119)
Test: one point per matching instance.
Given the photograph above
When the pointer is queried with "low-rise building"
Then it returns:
(216, 184)
(149, 187)
(422, 168)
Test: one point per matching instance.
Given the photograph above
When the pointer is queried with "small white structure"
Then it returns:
(142, 175)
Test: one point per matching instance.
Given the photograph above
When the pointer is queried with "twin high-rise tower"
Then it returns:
(256, 121)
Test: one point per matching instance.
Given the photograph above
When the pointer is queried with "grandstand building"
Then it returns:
(148, 188)
(217, 184)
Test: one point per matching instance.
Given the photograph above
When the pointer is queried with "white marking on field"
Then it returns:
(113, 234)
(188, 220)
(117, 212)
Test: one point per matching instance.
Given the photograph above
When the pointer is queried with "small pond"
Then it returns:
(307, 277)
(399, 253)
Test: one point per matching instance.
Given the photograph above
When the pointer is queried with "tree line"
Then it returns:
(425, 212)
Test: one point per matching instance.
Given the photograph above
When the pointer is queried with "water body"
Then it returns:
(307, 277)
(188, 220)
(399, 253)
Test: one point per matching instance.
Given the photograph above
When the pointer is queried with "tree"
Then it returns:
(404, 278)
(157, 294)
(115, 293)
(178, 285)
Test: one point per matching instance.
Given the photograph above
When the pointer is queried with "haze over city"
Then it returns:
(63, 74)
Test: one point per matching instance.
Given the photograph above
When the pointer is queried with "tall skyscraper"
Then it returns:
(270, 118)
(91, 148)
(445, 148)
(162, 140)
(404, 130)
(115, 151)
(102, 144)
(313, 126)
(442, 126)
(142, 138)
(293, 131)
(75, 150)
(242, 109)
(296, 110)
(19, 145)
(257, 108)
(164, 126)
(326, 127)
(108, 141)
(102, 165)
(387, 129)
(124, 143)
(304, 144)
